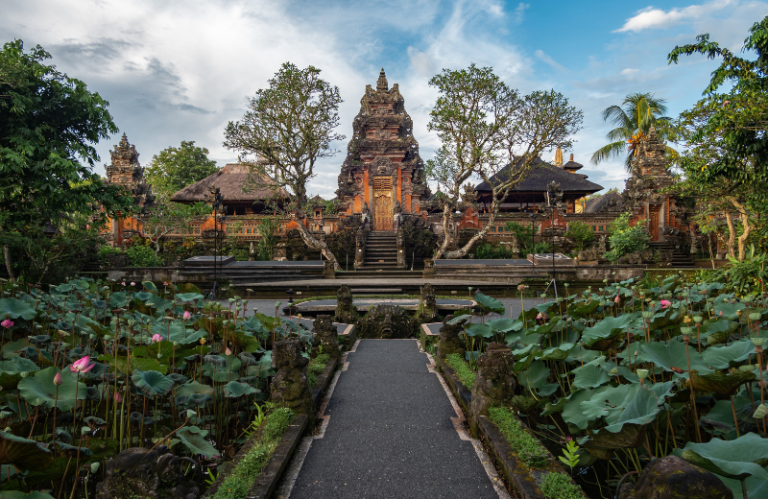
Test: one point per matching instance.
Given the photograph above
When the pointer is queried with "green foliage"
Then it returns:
(142, 256)
(570, 455)
(266, 244)
(316, 367)
(177, 167)
(560, 486)
(625, 239)
(240, 481)
(488, 251)
(49, 126)
(741, 276)
(465, 373)
(581, 233)
(527, 447)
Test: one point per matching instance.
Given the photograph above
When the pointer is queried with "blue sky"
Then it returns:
(181, 70)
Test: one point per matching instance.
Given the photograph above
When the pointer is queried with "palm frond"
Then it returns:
(608, 151)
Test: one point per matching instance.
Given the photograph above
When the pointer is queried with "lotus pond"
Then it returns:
(632, 373)
(91, 368)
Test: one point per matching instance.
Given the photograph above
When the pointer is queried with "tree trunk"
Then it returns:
(446, 235)
(313, 243)
(461, 252)
(731, 242)
(747, 227)
(9, 263)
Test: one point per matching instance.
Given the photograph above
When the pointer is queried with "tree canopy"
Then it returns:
(289, 126)
(49, 126)
(177, 167)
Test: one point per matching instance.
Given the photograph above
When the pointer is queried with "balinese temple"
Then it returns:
(383, 172)
(125, 170)
(530, 195)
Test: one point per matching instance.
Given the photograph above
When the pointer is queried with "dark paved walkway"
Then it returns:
(390, 434)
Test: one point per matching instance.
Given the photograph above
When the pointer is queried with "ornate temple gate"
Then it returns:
(382, 203)
(653, 224)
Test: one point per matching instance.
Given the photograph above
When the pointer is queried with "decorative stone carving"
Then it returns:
(449, 339)
(139, 472)
(125, 170)
(495, 383)
(345, 310)
(326, 336)
(290, 386)
(427, 305)
(672, 477)
(386, 321)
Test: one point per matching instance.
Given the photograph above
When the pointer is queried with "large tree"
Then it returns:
(49, 125)
(177, 167)
(288, 128)
(633, 120)
(490, 131)
(725, 133)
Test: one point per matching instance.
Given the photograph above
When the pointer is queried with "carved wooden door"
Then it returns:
(382, 203)
(653, 222)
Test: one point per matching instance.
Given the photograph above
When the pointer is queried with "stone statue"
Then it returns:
(326, 336)
(449, 339)
(386, 321)
(602, 246)
(673, 477)
(495, 383)
(140, 472)
(345, 310)
(427, 305)
(290, 386)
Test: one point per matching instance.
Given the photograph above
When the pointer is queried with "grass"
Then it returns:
(560, 486)
(316, 367)
(465, 373)
(240, 481)
(530, 450)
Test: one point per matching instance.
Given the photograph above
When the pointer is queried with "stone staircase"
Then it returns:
(381, 251)
(680, 258)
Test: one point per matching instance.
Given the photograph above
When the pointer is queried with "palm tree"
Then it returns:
(633, 120)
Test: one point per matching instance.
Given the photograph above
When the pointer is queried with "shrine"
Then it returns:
(383, 173)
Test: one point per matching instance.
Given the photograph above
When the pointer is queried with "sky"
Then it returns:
(176, 70)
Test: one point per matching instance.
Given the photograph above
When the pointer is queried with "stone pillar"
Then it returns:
(329, 272)
(326, 337)
(251, 252)
(290, 386)
(494, 384)
(449, 339)
(345, 310)
(427, 304)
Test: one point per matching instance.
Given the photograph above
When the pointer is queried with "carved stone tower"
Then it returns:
(383, 170)
(125, 170)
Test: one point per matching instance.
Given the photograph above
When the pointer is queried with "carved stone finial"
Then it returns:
(326, 336)
(345, 310)
(381, 84)
(559, 158)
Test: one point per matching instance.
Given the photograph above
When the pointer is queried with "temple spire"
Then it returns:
(558, 157)
(381, 83)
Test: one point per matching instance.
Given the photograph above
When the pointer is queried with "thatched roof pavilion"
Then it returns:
(232, 179)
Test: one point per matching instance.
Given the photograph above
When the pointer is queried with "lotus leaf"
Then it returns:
(738, 459)
(608, 328)
(719, 331)
(524, 363)
(194, 439)
(641, 410)
(254, 325)
(505, 325)
(40, 389)
(756, 487)
(17, 365)
(550, 409)
(72, 450)
(583, 309)
(725, 357)
(26, 454)
(729, 310)
(152, 383)
(489, 304)
(16, 494)
(673, 354)
(535, 377)
(141, 364)
(590, 376)
(15, 308)
(572, 413)
(189, 297)
(118, 300)
(246, 343)
(721, 383)
(233, 389)
(194, 387)
(178, 379)
(483, 330)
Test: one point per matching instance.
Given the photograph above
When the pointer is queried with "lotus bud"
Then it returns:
(175, 344)
(191, 414)
(159, 355)
(186, 315)
(7, 323)
(57, 380)
(227, 352)
(24, 374)
(85, 430)
(118, 397)
(94, 467)
(760, 412)
(642, 373)
(202, 341)
(614, 371)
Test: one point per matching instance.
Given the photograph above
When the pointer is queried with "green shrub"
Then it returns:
(528, 449)
(625, 239)
(107, 251)
(240, 481)
(560, 486)
(581, 233)
(316, 367)
(465, 374)
(142, 256)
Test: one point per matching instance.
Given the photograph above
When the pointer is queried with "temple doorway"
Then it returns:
(653, 212)
(382, 203)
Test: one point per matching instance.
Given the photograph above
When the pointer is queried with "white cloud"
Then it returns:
(546, 58)
(652, 18)
(629, 71)
(519, 13)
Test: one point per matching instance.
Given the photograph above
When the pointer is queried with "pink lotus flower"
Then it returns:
(665, 304)
(617, 299)
(123, 283)
(57, 380)
(187, 315)
(165, 283)
(118, 398)
(721, 313)
(227, 351)
(156, 338)
(133, 284)
(82, 366)
(7, 323)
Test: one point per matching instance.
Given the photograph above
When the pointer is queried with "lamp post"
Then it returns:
(533, 240)
(216, 205)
